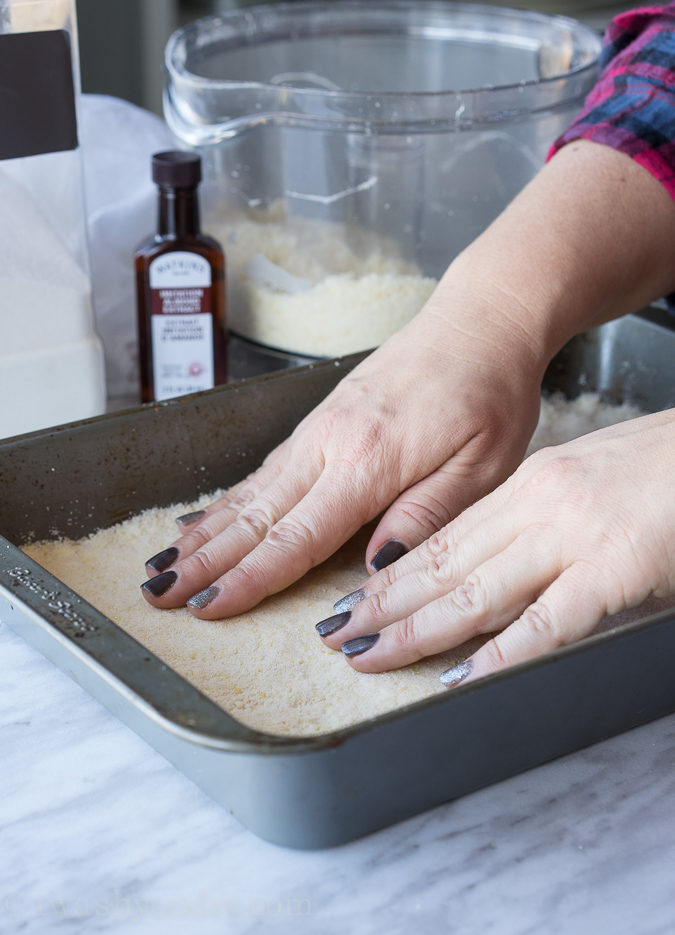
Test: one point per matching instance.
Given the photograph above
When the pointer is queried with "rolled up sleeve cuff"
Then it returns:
(632, 107)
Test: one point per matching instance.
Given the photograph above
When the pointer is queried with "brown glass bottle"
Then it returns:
(180, 290)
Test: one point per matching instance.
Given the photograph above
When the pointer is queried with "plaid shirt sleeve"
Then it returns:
(632, 107)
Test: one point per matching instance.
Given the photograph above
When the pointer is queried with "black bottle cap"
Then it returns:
(177, 169)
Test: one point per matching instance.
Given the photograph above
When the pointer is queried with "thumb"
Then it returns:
(424, 508)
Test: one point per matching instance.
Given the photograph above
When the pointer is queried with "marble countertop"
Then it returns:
(98, 833)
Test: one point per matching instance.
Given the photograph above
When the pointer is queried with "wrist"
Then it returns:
(586, 241)
(497, 327)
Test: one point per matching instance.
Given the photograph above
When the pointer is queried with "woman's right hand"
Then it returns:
(579, 531)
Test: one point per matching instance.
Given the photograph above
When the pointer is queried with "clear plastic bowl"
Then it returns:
(373, 139)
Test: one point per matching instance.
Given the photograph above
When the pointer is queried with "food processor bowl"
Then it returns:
(352, 149)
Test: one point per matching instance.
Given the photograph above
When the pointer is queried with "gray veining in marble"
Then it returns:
(99, 834)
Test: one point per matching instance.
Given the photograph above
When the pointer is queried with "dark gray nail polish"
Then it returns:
(457, 674)
(189, 518)
(161, 584)
(331, 624)
(389, 553)
(163, 559)
(359, 645)
(203, 597)
(349, 601)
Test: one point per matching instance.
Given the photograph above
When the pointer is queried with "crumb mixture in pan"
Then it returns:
(268, 667)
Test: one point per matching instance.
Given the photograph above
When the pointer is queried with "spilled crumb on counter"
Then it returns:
(268, 668)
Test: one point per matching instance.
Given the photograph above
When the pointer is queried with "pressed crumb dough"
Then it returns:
(268, 667)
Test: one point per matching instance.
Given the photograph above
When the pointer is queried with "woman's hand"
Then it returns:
(422, 428)
(579, 531)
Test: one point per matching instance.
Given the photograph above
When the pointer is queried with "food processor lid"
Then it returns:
(385, 66)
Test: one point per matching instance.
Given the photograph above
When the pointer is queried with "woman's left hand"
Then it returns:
(579, 531)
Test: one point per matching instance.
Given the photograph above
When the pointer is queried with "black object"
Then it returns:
(37, 94)
(177, 169)
(389, 553)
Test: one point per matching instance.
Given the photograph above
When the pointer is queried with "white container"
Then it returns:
(51, 361)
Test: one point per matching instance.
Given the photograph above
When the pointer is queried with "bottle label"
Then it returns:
(181, 324)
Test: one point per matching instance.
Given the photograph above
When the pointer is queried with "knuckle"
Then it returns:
(378, 606)
(407, 636)
(199, 536)
(559, 491)
(290, 534)
(537, 459)
(554, 470)
(206, 563)
(469, 597)
(440, 557)
(256, 518)
(441, 544)
(242, 498)
(436, 544)
(387, 575)
(325, 425)
(439, 568)
(428, 515)
(538, 618)
(365, 446)
(496, 657)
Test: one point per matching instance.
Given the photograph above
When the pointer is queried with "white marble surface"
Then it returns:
(98, 833)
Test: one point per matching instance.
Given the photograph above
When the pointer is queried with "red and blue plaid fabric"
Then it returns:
(632, 107)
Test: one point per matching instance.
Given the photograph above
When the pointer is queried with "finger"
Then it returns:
(308, 534)
(448, 566)
(243, 491)
(453, 551)
(237, 495)
(569, 609)
(508, 504)
(203, 525)
(212, 556)
(429, 505)
(488, 599)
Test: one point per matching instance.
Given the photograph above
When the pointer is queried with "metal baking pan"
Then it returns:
(321, 791)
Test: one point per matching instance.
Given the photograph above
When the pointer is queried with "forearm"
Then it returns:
(592, 237)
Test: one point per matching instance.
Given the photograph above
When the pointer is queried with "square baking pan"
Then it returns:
(322, 790)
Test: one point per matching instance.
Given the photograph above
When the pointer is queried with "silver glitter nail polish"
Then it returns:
(457, 674)
(349, 601)
(204, 597)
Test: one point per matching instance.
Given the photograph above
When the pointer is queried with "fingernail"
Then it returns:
(163, 559)
(389, 553)
(203, 597)
(359, 645)
(189, 518)
(331, 624)
(161, 584)
(349, 601)
(457, 674)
